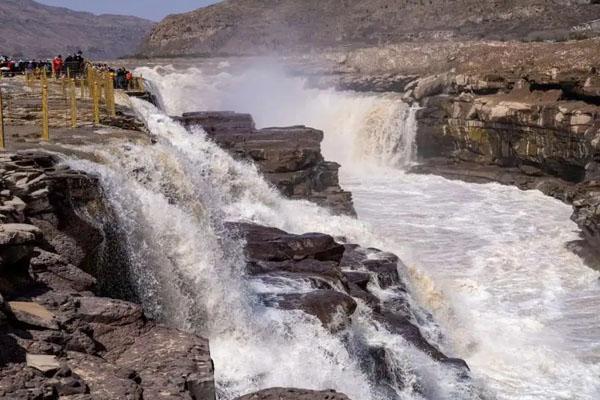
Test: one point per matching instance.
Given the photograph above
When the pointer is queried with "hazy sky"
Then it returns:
(150, 9)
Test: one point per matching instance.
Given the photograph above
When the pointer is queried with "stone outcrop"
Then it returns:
(58, 339)
(342, 277)
(289, 158)
(518, 125)
(586, 213)
(536, 132)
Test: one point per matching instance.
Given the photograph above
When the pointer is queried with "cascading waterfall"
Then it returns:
(171, 200)
(375, 130)
(489, 261)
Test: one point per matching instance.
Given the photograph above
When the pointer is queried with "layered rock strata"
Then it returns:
(58, 339)
(536, 132)
(290, 158)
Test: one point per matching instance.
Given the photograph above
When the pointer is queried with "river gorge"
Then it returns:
(490, 277)
(324, 254)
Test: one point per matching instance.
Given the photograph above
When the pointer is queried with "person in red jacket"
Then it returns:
(57, 66)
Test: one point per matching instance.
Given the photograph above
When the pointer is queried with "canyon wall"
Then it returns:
(535, 132)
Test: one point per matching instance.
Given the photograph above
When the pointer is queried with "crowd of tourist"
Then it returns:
(73, 65)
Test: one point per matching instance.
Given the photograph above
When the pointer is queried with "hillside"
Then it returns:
(30, 29)
(251, 26)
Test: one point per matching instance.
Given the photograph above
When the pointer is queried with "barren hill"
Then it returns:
(30, 29)
(251, 26)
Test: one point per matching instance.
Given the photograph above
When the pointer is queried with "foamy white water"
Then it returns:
(171, 200)
(488, 261)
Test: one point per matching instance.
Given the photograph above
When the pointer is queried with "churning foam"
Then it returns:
(171, 200)
(489, 261)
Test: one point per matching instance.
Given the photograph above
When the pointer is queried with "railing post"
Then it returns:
(2, 142)
(63, 82)
(90, 80)
(111, 94)
(73, 104)
(96, 99)
(45, 126)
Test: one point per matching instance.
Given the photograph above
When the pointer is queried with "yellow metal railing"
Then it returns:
(95, 85)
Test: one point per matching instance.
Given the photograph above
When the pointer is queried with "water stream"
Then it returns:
(489, 262)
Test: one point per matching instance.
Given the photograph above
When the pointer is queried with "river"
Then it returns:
(488, 262)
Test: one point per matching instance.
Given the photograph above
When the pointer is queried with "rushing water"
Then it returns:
(488, 261)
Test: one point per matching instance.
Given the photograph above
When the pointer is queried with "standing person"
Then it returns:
(121, 79)
(57, 66)
(129, 79)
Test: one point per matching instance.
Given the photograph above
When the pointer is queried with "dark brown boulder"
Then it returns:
(288, 157)
(360, 279)
(105, 380)
(332, 308)
(17, 242)
(401, 325)
(270, 244)
(294, 394)
(56, 273)
(171, 364)
(386, 272)
(327, 271)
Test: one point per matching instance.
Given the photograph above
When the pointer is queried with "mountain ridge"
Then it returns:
(30, 29)
(240, 27)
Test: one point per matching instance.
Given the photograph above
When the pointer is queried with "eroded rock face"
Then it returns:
(57, 338)
(517, 126)
(289, 158)
(331, 307)
(538, 132)
(587, 214)
(335, 280)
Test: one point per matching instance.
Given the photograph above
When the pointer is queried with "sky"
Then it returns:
(149, 9)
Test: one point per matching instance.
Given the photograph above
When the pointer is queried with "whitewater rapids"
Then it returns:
(488, 261)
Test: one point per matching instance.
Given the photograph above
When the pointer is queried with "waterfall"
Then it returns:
(171, 200)
(488, 261)
(376, 131)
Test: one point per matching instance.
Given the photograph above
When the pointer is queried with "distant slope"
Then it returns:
(30, 29)
(250, 26)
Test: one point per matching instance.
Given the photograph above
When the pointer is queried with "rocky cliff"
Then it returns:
(58, 338)
(30, 29)
(533, 131)
(267, 26)
(290, 158)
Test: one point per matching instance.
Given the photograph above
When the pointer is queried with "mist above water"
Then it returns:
(489, 261)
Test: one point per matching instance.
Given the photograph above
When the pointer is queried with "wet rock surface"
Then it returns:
(289, 158)
(293, 394)
(57, 338)
(335, 280)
